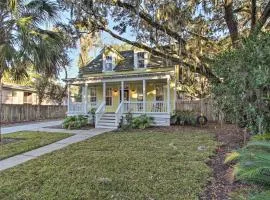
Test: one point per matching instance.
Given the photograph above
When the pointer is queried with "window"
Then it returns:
(93, 95)
(108, 96)
(108, 63)
(159, 93)
(141, 59)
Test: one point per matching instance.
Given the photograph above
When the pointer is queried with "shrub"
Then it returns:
(253, 163)
(142, 122)
(183, 118)
(243, 93)
(75, 122)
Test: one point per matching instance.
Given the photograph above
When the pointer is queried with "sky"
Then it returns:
(106, 39)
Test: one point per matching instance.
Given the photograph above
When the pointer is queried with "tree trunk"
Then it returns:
(253, 14)
(231, 22)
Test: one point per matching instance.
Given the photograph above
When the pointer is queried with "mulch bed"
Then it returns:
(230, 138)
(88, 127)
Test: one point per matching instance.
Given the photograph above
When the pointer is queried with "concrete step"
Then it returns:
(109, 114)
(108, 127)
(107, 118)
(106, 122)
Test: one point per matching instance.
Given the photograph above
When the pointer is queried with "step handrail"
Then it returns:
(100, 111)
(119, 113)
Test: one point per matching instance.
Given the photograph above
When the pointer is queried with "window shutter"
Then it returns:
(135, 60)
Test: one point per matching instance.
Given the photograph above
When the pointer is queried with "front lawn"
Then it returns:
(153, 164)
(20, 142)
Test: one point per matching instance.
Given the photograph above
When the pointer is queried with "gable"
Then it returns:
(124, 61)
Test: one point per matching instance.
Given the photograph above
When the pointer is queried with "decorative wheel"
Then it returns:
(201, 120)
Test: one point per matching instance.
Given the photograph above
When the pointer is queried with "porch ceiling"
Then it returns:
(120, 77)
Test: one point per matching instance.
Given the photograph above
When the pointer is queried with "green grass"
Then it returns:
(133, 165)
(26, 141)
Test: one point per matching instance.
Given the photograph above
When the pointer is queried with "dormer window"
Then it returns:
(141, 59)
(108, 64)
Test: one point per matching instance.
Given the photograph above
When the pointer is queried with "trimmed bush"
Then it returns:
(75, 122)
(142, 122)
(183, 118)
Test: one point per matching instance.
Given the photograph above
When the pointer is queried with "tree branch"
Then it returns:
(265, 15)
(253, 14)
(145, 16)
(231, 22)
(202, 69)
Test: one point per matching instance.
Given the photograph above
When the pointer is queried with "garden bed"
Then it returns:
(87, 127)
(223, 185)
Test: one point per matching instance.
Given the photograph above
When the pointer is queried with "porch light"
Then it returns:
(133, 90)
(115, 90)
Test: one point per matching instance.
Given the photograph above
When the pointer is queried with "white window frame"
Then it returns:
(109, 95)
(108, 62)
(94, 96)
(141, 59)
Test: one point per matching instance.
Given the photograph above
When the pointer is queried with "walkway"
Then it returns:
(79, 136)
(30, 126)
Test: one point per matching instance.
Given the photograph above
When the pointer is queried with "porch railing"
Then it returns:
(76, 108)
(150, 107)
(100, 111)
(79, 108)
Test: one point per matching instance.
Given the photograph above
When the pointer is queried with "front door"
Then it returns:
(126, 95)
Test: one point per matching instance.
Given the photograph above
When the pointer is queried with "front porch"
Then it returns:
(153, 96)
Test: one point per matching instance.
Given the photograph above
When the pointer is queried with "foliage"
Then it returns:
(183, 118)
(244, 93)
(75, 122)
(142, 122)
(253, 162)
(26, 141)
(130, 165)
(56, 92)
(24, 41)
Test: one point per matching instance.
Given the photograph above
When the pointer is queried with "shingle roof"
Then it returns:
(126, 64)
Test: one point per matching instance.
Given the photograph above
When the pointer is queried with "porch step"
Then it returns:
(107, 120)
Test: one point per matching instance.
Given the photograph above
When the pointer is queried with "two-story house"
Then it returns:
(118, 82)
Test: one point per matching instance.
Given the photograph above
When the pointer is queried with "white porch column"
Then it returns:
(85, 98)
(144, 96)
(168, 95)
(122, 91)
(104, 91)
(68, 100)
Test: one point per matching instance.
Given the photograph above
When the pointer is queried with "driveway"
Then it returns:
(30, 126)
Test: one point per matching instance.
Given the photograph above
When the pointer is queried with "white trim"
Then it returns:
(68, 89)
(104, 92)
(122, 91)
(168, 95)
(85, 98)
(144, 96)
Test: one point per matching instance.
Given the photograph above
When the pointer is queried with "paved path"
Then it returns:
(30, 127)
(79, 136)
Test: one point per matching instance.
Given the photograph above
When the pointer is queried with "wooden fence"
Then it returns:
(18, 113)
(204, 106)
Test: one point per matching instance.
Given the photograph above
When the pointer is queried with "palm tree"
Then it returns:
(24, 42)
